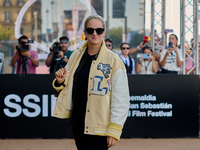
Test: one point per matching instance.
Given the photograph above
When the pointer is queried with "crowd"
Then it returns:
(166, 60)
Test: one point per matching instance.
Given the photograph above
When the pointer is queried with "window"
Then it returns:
(7, 17)
(7, 3)
(20, 2)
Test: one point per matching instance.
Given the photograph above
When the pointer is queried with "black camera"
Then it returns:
(23, 46)
(56, 48)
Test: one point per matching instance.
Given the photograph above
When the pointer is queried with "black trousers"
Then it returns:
(88, 142)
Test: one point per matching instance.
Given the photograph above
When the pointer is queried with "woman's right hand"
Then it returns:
(60, 75)
(169, 50)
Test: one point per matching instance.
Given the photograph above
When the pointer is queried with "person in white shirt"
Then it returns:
(171, 58)
(126, 58)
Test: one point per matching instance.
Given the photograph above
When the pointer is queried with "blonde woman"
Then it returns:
(94, 92)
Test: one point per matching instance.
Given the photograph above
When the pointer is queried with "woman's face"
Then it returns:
(94, 38)
(125, 49)
(147, 51)
(173, 40)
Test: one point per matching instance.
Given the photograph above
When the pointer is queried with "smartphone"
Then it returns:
(145, 56)
(170, 45)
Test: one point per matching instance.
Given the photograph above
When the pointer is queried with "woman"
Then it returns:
(171, 59)
(96, 87)
(128, 62)
(147, 65)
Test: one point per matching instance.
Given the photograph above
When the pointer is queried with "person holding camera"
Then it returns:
(147, 63)
(27, 60)
(126, 58)
(59, 55)
(1, 61)
(171, 58)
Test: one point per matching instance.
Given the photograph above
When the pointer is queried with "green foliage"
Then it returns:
(136, 40)
(5, 33)
(116, 36)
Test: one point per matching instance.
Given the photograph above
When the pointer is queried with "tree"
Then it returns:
(5, 33)
(136, 40)
(116, 36)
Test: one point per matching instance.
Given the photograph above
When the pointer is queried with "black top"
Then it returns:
(80, 88)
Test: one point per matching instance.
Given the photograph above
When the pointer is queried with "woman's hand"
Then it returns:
(169, 50)
(151, 57)
(60, 75)
(111, 141)
(175, 50)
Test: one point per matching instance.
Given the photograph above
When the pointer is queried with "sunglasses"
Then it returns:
(90, 31)
(125, 48)
(64, 42)
(109, 45)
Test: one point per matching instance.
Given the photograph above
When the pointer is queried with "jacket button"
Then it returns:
(89, 94)
(87, 127)
(88, 110)
(94, 62)
(86, 131)
(91, 78)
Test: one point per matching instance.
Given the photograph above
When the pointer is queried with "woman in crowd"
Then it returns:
(147, 65)
(171, 59)
(126, 58)
(94, 92)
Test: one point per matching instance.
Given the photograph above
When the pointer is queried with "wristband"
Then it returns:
(138, 47)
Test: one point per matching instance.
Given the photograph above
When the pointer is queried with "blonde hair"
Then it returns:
(94, 17)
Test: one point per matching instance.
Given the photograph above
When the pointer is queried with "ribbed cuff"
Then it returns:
(114, 130)
(58, 87)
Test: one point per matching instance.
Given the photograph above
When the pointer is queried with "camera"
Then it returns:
(145, 56)
(23, 46)
(56, 48)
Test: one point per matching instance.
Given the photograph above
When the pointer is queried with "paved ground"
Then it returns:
(123, 144)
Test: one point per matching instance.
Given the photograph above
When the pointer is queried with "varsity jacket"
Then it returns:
(108, 93)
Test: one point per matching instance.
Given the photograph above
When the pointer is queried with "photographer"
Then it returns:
(27, 60)
(171, 58)
(59, 55)
(147, 63)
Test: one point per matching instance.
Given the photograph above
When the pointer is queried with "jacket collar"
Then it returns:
(101, 53)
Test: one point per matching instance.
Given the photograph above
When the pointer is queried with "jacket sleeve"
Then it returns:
(120, 100)
(59, 88)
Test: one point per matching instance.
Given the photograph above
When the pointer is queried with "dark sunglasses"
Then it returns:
(99, 31)
(108, 45)
(125, 48)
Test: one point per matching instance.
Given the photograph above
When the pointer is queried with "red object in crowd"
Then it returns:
(145, 39)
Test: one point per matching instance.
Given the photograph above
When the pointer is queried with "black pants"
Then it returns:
(88, 142)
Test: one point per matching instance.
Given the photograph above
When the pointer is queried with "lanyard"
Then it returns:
(145, 66)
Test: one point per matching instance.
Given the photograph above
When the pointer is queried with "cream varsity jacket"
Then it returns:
(108, 93)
